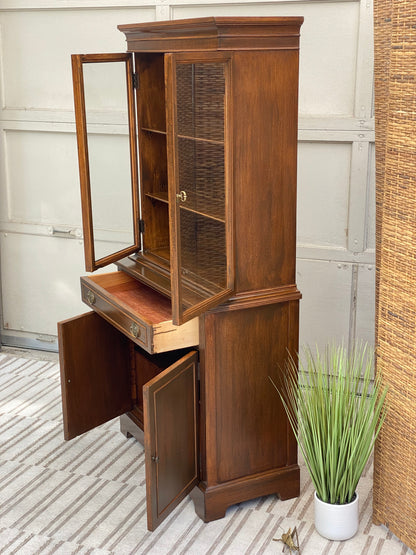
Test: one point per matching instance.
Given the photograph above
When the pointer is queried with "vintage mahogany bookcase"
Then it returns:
(204, 306)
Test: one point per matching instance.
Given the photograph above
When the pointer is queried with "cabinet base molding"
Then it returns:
(211, 503)
(250, 299)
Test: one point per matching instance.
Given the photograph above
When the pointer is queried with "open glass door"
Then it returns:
(200, 184)
(107, 152)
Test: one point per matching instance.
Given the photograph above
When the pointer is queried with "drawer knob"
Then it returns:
(91, 297)
(135, 330)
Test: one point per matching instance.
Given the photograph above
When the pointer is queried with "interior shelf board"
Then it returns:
(162, 196)
(162, 254)
(157, 131)
(200, 139)
(181, 136)
(203, 214)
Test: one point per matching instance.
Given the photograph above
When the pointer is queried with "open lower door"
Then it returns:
(95, 373)
(171, 437)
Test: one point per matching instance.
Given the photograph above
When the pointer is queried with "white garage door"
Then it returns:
(40, 215)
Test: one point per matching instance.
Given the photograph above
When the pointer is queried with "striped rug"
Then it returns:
(87, 496)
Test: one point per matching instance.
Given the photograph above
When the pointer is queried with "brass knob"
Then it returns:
(135, 330)
(182, 196)
(91, 297)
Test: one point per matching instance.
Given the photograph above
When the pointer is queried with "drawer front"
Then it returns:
(135, 329)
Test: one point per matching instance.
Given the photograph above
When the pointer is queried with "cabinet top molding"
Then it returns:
(214, 33)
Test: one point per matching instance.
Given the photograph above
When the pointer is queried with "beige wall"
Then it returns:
(39, 192)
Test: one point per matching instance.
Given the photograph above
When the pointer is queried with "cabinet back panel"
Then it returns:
(147, 366)
(156, 227)
(152, 149)
(154, 175)
(265, 90)
(151, 92)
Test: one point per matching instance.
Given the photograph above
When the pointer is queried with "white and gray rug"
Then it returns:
(87, 496)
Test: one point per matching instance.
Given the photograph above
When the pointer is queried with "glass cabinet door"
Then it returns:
(107, 152)
(199, 143)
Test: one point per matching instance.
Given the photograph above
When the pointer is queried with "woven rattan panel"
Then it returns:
(203, 250)
(200, 89)
(395, 103)
(201, 175)
(200, 93)
(200, 113)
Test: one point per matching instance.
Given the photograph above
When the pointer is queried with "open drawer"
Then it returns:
(142, 314)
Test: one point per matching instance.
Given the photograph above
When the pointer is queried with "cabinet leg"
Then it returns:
(129, 429)
(212, 502)
(288, 490)
(124, 426)
(207, 508)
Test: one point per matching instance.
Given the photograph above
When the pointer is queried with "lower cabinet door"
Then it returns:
(170, 403)
(95, 373)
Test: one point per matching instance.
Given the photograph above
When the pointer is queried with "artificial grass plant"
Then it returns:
(336, 410)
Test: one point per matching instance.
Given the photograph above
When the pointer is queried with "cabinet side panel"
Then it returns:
(265, 111)
(95, 373)
(247, 430)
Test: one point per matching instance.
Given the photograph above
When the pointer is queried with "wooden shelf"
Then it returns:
(161, 196)
(151, 269)
(201, 140)
(162, 255)
(188, 137)
(203, 214)
(156, 131)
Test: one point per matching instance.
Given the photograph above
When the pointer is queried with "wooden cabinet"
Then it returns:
(181, 340)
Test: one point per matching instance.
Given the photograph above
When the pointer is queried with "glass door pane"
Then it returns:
(202, 275)
(103, 90)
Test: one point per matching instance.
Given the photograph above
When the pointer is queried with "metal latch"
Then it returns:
(135, 330)
(64, 232)
(181, 197)
(90, 297)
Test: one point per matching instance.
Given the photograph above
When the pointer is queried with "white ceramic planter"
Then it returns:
(336, 522)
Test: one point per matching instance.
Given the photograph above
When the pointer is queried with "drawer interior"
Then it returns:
(126, 302)
(140, 299)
